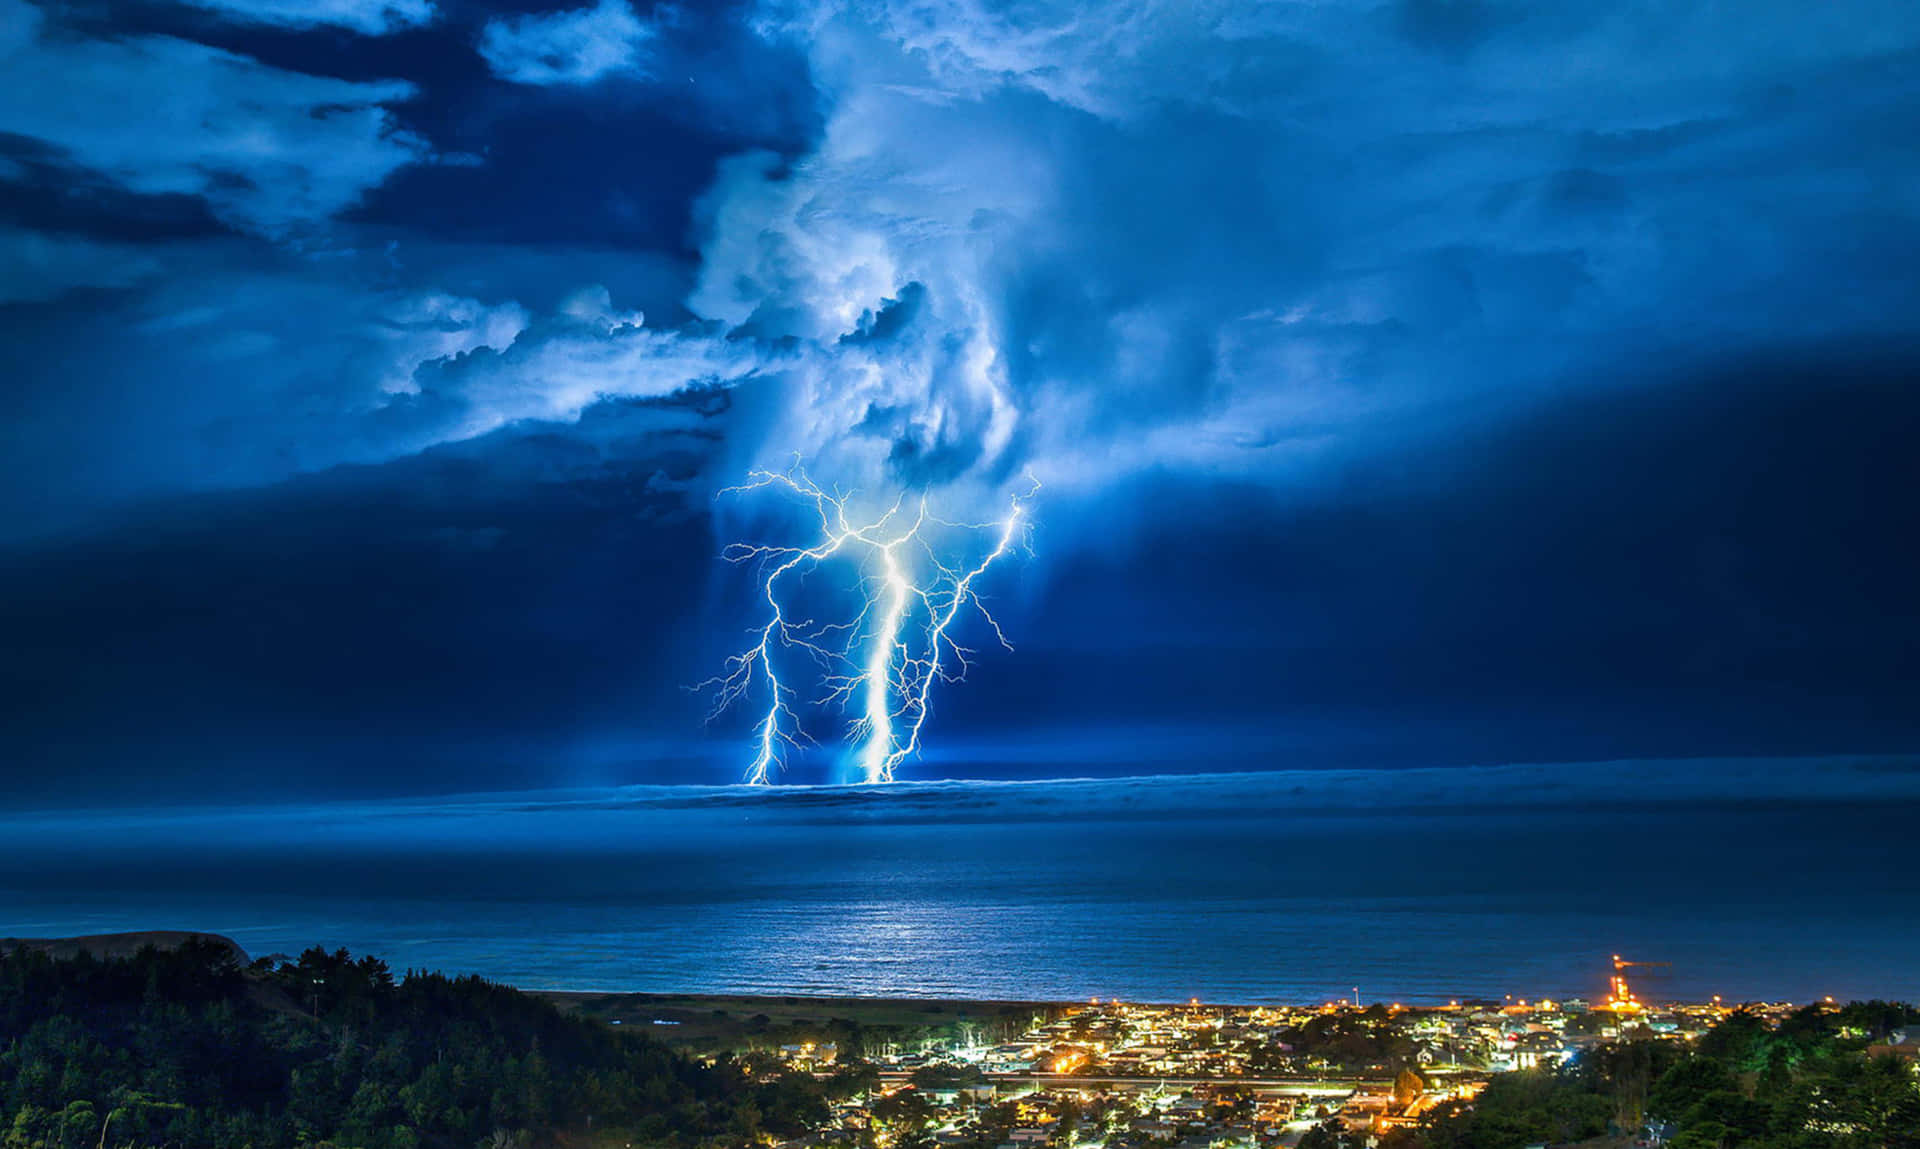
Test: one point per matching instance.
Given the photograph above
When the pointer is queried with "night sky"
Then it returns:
(1416, 382)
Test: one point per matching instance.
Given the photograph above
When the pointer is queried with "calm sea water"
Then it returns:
(1775, 880)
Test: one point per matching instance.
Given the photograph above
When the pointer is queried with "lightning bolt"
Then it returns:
(900, 641)
(921, 675)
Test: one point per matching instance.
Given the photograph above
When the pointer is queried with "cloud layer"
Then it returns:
(268, 150)
(1082, 240)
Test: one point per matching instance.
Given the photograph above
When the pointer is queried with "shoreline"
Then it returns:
(748, 1019)
(650, 1006)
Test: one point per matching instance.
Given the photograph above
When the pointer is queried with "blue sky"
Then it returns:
(1408, 382)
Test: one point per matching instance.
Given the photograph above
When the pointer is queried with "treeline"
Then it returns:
(1368, 1041)
(1807, 1084)
(186, 1048)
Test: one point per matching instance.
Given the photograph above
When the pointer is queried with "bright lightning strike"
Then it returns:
(886, 659)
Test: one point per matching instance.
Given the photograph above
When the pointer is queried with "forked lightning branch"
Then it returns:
(914, 583)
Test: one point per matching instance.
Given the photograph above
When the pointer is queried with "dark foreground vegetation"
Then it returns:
(1814, 1082)
(188, 1048)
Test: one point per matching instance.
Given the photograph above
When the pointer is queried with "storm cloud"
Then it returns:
(1200, 269)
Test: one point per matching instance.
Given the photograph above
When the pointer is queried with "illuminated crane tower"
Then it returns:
(1620, 997)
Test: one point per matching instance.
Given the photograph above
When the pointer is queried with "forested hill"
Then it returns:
(121, 945)
(186, 1047)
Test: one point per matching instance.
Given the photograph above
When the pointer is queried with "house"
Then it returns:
(1901, 1043)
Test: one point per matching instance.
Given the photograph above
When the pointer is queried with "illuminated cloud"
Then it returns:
(573, 47)
(1233, 240)
(554, 370)
(403, 372)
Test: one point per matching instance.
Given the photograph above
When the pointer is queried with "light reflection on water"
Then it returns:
(1250, 890)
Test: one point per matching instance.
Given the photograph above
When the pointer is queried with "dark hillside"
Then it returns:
(120, 945)
(187, 1047)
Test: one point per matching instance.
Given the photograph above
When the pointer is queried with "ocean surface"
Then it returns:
(1756, 880)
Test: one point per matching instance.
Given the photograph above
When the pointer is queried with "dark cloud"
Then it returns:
(1712, 566)
(453, 620)
(1454, 25)
(46, 196)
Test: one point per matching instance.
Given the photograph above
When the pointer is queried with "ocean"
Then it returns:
(1781, 880)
